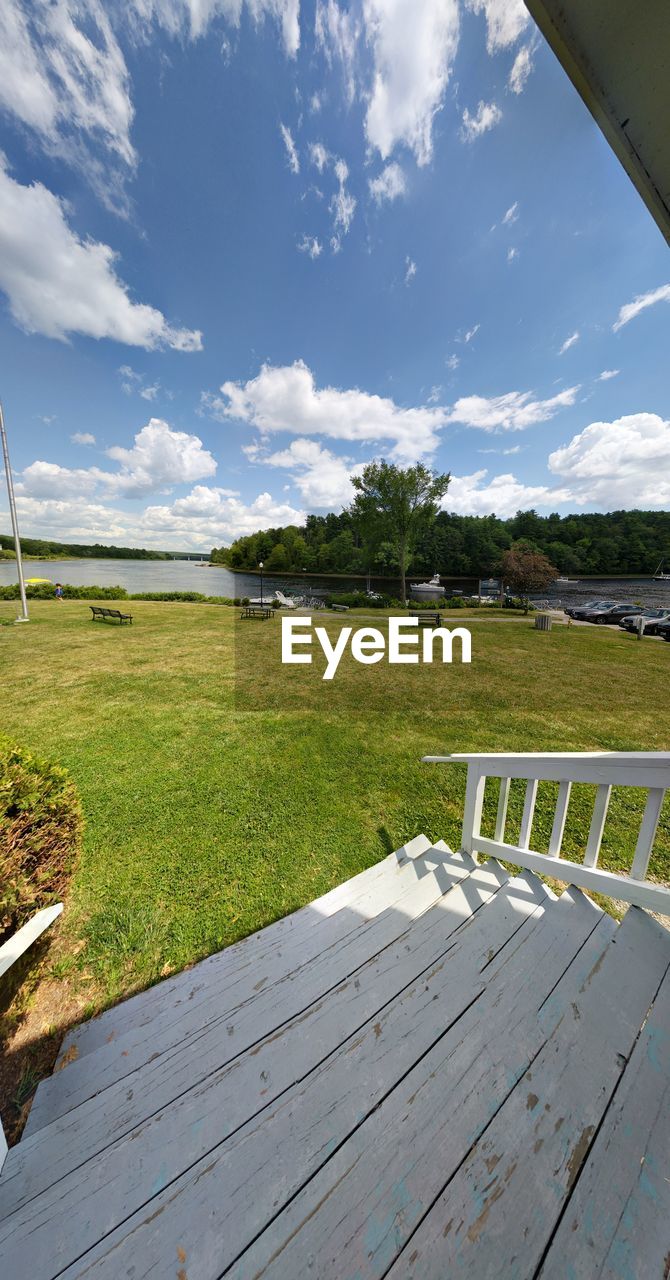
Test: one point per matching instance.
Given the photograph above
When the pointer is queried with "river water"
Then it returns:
(215, 580)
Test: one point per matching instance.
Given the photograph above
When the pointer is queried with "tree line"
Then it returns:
(44, 549)
(619, 542)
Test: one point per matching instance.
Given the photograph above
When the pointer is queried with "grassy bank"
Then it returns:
(205, 820)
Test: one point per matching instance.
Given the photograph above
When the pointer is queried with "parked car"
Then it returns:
(651, 618)
(614, 614)
(579, 611)
(663, 630)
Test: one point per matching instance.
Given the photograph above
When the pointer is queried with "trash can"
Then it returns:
(543, 622)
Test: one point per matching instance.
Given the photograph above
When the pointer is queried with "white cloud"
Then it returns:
(343, 204)
(513, 411)
(640, 303)
(410, 270)
(63, 75)
(413, 49)
(285, 398)
(191, 19)
(158, 459)
(291, 153)
(322, 478)
(318, 155)
(569, 342)
(315, 103)
(452, 362)
(487, 116)
(337, 32)
(471, 333)
(625, 463)
(474, 495)
(311, 246)
(150, 393)
(58, 284)
(607, 374)
(521, 69)
(512, 214)
(389, 184)
(505, 21)
(82, 437)
(512, 254)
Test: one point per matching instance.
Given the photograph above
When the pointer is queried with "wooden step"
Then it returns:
(391, 1013)
(367, 893)
(326, 955)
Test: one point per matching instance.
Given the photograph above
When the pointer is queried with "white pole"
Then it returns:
(15, 526)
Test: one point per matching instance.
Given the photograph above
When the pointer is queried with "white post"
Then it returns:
(15, 525)
(472, 813)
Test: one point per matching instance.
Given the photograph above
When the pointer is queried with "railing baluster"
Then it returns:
(501, 815)
(472, 813)
(528, 811)
(560, 815)
(645, 840)
(597, 825)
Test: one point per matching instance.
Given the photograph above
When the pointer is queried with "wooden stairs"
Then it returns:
(438, 1069)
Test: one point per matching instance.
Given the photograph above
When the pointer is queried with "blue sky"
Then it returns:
(247, 245)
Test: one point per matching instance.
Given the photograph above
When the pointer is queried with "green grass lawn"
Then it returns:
(206, 820)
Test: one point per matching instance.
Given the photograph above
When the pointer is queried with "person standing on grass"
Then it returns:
(59, 592)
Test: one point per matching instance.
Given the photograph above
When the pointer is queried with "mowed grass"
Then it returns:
(215, 804)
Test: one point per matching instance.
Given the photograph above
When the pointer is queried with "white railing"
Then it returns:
(9, 954)
(650, 770)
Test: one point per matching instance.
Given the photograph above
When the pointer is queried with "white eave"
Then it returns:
(617, 54)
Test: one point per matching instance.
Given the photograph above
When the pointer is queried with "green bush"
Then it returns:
(40, 834)
(360, 600)
(47, 591)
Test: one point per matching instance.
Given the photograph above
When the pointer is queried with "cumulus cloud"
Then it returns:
(291, 153)
(505, 21)
(521, 69)
(625, 463)
(413, 54)
(158, 459)
(59, 284)
(286, 398)
(487, 116)
(322, 478)
(82, 437)
(389, 184)
(569, 342)
(640, 303)
(514, 411)
(475, 495)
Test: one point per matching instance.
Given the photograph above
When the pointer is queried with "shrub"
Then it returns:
(40, 834)
(46, 591)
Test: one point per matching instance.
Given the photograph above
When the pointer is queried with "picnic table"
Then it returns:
(257, 611)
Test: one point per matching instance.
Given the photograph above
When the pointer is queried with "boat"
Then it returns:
(564, 582)
(427, 590)
(659, 575)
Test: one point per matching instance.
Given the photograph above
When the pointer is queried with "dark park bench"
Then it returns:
(114, 615)
(258, 611)
(429, 619)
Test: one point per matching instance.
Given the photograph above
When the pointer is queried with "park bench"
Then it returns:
(114, 615)
(257, 611)
(429, 619)
(340, 608)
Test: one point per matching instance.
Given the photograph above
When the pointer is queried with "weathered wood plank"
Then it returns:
(645, 840)
(352, 1218)
(78, 1211)
(346, 941)
(501, 1205)
(617, 1221)
(251, 1176)
(67, 1143)
(597, 826)
(560, 815)
(258, 948)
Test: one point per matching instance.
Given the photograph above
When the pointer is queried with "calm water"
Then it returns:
(187, 575)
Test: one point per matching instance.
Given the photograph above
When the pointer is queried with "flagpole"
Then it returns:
(15, 525)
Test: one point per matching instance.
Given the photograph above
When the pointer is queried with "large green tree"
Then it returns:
(396, 505)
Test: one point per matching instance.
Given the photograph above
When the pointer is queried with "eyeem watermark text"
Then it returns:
(406, 643)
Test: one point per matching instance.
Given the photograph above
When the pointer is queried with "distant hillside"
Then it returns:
(42, 549)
